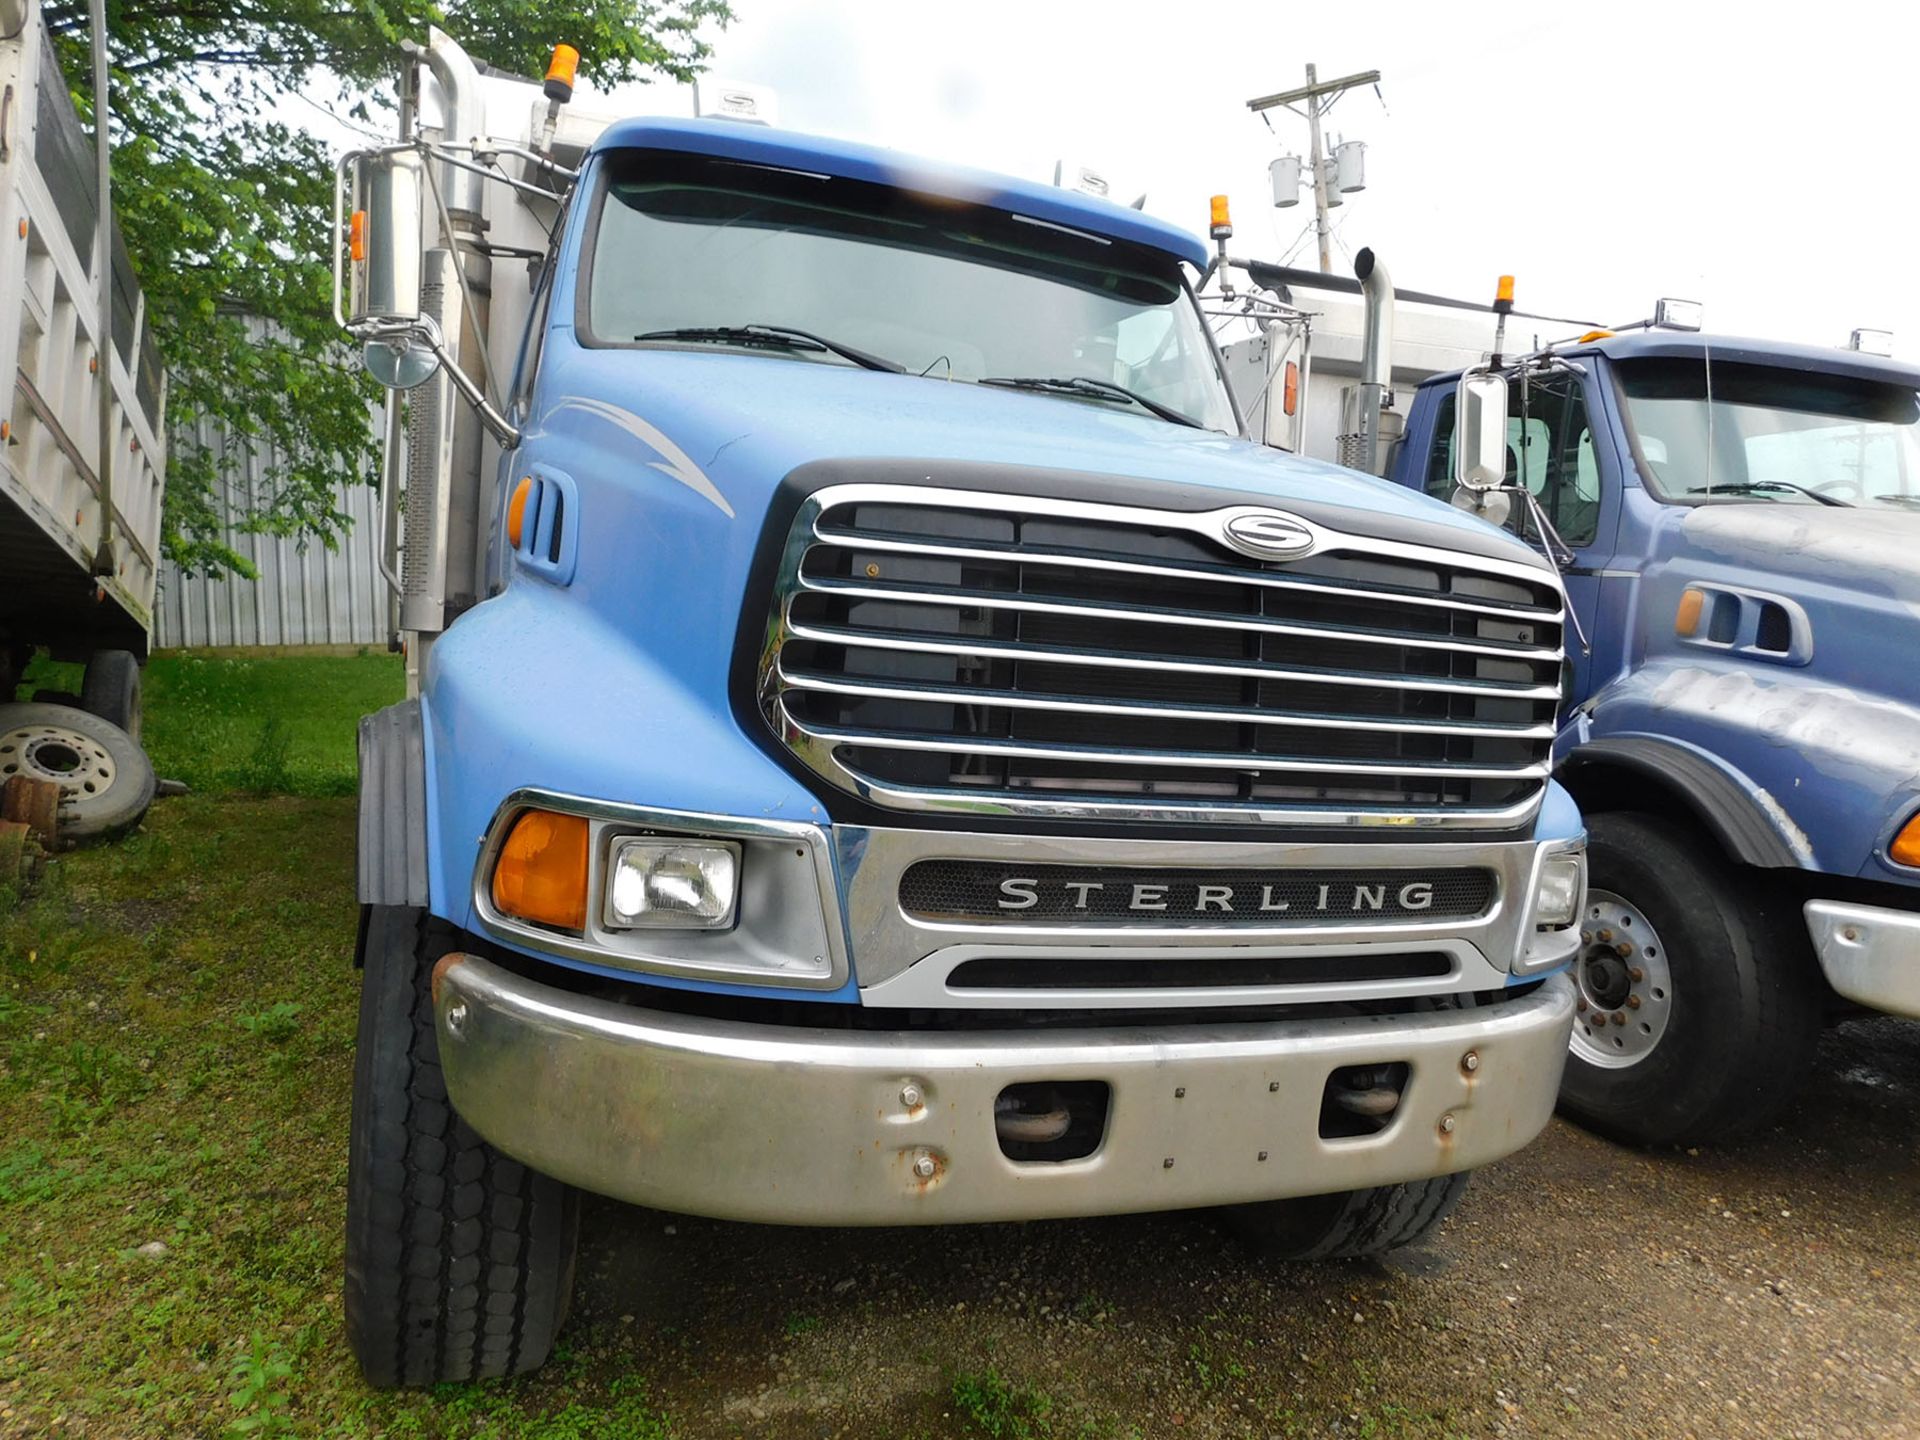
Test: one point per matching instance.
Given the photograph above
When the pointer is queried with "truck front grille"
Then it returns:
(950, 650)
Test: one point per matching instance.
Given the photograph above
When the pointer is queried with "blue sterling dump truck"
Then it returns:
(1738, 522)
(887, 748)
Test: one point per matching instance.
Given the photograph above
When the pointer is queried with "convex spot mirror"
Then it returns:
(1480, 434)
(400, 362)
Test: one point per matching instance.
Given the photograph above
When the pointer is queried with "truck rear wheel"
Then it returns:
(459, 1259)
(110, 688)
(1698, 1007)
(1350, 1224)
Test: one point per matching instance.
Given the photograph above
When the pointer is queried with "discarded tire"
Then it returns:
(106, 782)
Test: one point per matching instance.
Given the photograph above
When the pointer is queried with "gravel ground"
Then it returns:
(1770, 1290)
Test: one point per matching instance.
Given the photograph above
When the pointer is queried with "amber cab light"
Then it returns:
(541, 874)
(1906, 845)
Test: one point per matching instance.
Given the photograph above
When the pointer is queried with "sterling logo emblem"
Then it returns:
(1268, 534)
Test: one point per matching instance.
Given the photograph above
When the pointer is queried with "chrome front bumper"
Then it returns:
(791, 1125)
(1871, 955)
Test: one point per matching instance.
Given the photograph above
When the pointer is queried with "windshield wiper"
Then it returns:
(1099, 389)
(1750, 487)
(782, 336)
(1901, 498)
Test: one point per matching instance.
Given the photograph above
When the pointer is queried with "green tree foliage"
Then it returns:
(226, 207)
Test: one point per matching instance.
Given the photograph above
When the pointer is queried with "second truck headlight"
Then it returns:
(672, 884)
(1558, 890)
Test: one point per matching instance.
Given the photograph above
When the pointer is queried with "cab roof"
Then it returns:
(1741, 350)
(789, 149)
(1735, 350)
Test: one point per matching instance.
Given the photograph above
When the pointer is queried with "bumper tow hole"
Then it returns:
(1361, 1100)
(1050, 1121)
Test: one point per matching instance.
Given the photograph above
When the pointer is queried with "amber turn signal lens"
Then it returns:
(1290, 389)
(357, 235)
(1906, 845)
(517, 510)
(541, 874)
(1686, 620)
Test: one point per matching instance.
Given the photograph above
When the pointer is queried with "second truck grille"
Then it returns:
(950, 650)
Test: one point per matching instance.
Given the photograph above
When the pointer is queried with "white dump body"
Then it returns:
(52, 334)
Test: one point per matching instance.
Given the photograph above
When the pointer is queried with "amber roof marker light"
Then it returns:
(561, 70)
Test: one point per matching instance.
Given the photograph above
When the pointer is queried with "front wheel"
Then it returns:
(459, 1259)
(1698, 1007)
(1349, 1225)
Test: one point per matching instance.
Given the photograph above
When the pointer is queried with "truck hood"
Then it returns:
(742, 422)
(1875, 551)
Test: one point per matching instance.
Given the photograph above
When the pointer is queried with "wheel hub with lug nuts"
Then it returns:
(77, 764)
(1626, 987)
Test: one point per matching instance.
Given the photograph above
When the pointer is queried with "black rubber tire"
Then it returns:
(1348, 1225)
(107, 759)
(459, 1259)
(111, 689)
(1748, 1002)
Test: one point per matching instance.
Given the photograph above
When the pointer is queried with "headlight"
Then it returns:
(672, 885)
(1556, 895)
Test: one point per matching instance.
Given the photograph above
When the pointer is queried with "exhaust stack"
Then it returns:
(1376, 362)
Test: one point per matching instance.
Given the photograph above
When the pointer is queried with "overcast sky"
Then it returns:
(1757, 157)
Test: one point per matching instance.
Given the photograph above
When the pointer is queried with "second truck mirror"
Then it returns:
(1480, 434)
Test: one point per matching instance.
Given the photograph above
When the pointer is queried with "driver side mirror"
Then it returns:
(382, 245)
(1480, 433)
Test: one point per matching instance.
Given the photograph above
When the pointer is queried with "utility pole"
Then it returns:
(1318, 97)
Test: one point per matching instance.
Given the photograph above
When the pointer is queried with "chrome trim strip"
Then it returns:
(641, 950)
(924, 985)
(1034, 700)
(990, 803)
(1121, 660)
(1224, 575)
(1201, 619)
(1208, 524)
(1175, 759)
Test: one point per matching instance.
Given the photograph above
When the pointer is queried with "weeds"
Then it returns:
(277, 1023)
(995, 1407)
(259, 1392)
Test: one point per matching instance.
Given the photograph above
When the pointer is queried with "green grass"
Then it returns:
(176, 1040)
(281, 726)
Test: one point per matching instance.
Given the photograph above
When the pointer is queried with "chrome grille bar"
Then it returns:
(1115, 659)
(990, 600)
(1224, 574)
(1178, 759)
(810, 680)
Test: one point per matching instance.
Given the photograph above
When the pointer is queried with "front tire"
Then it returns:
(459, 1259)
(1349, 1225)
(1699, 1007)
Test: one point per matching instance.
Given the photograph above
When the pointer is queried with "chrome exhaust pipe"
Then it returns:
(1376, 356)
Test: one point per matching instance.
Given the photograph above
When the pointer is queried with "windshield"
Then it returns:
(945, 290)
(1775, 436)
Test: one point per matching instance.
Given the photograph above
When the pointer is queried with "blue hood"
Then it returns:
(743, 422)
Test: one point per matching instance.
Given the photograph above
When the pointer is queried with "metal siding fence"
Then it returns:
(304, 596)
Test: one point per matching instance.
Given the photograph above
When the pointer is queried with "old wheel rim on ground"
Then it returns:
(76, 763)
(1626, 987)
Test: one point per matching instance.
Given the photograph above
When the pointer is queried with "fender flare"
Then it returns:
(392, 833)
(1749, 834)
